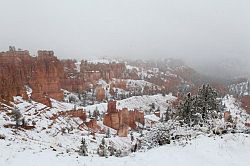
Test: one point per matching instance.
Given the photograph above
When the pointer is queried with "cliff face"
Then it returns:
(245, 103)
(72, 80)
(98, 71)
(46, 75)
(78, 76)
(42, 74)
(122, 119)
(15, 70)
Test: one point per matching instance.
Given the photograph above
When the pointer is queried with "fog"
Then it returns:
(204, 33)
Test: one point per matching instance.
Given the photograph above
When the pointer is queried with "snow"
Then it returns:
(139, 83)
(233, 106)
(78, 64)
(241, 89)
(143, 102)
(229, 150)
(35, 147)
(152, 117)
(130, 67)
(105, 61)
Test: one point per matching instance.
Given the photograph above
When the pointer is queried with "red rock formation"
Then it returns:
(123, 131)
(15, 69)
(42, 73)
(112, 107)
(80, 113)
(245, 103)
(227, 116)
(72, 81)
(104, 71)
(100, 93)
(119, 84)
(46, 76)
(247, 125)
(92, 124)
(117, 118)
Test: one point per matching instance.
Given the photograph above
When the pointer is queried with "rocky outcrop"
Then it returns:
(92, 124)
(15, 70)
(42, 74)
(245, 103)
(227, 116)
(119, 119)
(104, 71)
(79, 113)
(72, 80)
(46, 76)
(123, 131)
(100, 93)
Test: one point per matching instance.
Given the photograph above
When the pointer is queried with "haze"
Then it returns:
(201, 32)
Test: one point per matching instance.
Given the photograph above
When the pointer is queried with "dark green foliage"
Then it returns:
(17, 116)
(83, 148)
(201, 107)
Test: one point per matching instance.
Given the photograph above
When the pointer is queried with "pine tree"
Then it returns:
(132, 137)
(207, 100)
(153, 106)
(200, 107)
(167, 114)
(83, 148)
(96, 113)
(90, 115)
(17, 116)
(103, 149)
(185, 108)
(108, 134)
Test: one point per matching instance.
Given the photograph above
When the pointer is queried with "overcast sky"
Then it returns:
(196, 30)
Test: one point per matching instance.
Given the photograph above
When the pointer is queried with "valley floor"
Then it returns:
(229, 150)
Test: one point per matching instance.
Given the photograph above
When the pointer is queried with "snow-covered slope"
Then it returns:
(241, 89)
(229, 150)
(47, 145)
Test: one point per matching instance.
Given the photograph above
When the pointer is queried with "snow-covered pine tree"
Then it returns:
(166, 116)
(185, 109)
(108, 134)
(207, 101)
(96, 113)
(158, 136)
(132, 137)
(83, 148)
(200, 107)
(17, 116)
(153, 106)
(103, 149)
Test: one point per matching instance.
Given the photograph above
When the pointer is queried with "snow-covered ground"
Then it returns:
(47, 145)
(240, 89)
(229, 150)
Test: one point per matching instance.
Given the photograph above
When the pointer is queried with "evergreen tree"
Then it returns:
(200, 107)
(132, 137)
(166, 118)
(103, 149)
(153, 106)
(96, 113)
(207, 100)
(186, 108)
(17, 116)
(108, 134)
(83, 148)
